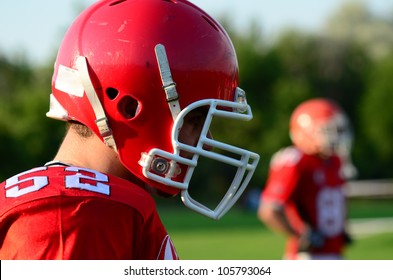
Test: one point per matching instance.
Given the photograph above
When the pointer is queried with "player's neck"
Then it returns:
(90, 153)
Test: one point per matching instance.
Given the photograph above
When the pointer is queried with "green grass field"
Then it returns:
(240, 236)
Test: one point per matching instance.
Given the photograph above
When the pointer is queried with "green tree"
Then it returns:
(375, 113)
(27, 137)
(354, 22)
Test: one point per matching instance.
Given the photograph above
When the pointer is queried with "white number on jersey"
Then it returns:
(74, 181)
(331, 211)
(32, 182)
(35, 183)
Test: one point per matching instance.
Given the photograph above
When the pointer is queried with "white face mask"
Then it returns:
(243, 160)
(335, 136)
(164, 167)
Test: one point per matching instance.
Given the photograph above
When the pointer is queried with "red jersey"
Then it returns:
(68, 212)
(311, 191)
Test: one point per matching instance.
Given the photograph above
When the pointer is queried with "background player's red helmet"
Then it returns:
(319, 126)
(130, 70)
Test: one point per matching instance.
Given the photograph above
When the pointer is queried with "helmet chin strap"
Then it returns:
(169, 86)
(101, 119)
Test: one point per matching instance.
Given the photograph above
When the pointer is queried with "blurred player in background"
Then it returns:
(138, 83)
(304, 196)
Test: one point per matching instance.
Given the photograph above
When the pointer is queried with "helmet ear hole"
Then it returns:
(112, 93)
(128, 107)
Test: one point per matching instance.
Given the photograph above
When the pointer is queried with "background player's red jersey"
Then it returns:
(67, 212)
(311, 190)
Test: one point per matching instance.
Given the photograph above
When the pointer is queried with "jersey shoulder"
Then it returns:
(131, 194)
(286, 157)
(70, 181)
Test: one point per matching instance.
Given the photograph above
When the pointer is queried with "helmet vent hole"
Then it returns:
(117, 2)
(172, 1)
(112, 93)
(209, 21)
(128, 107)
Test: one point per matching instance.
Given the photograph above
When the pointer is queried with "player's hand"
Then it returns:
(310, 239)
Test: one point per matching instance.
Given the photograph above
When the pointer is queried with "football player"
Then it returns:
(304, 194)
(138, 82)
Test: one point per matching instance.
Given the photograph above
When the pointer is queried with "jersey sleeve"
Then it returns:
(283, 177)
(155, 242)
(69, 228)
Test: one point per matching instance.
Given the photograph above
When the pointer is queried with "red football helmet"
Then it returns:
(131, 70)
(319, 126)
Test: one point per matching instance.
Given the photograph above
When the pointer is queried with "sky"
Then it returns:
(35, 27)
